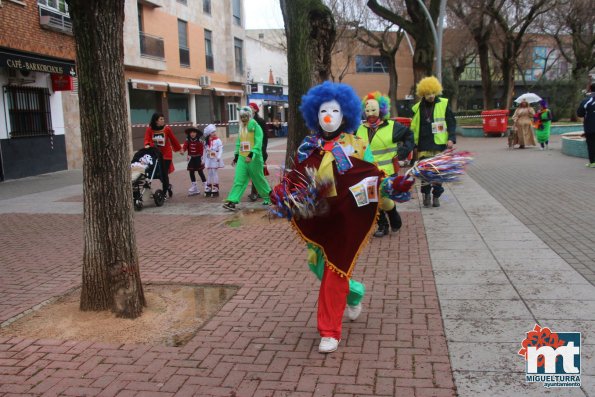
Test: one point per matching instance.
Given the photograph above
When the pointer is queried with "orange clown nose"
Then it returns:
(327, 119)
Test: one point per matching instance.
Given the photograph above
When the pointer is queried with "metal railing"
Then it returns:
(28, 111)
(152, 46)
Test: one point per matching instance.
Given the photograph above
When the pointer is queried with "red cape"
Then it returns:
(342, 232)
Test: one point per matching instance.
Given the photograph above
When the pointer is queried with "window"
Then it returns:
(203, 109)
(183, 40)
(56, 5)
(206, 7)
(28, 111)
(237, 12)
(239, 53)
(232, 112)
(139, 8)
(142, 105)
(178, 107)
(370, 64)
(209, 50)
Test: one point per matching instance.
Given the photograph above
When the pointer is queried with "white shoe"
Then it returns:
(193, 190)
(353, 312)
(328, 345)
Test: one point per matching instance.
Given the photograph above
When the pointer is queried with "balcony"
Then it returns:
(151, 46)
(54, 20)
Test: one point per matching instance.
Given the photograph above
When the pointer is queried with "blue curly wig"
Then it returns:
(325, 92)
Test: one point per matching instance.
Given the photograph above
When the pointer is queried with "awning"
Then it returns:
(186, 88)
(227, 92)
(148, 85)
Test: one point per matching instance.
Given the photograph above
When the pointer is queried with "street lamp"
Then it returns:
(381, 65)
(437, 36)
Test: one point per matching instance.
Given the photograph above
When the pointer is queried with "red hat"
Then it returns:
(254, 106)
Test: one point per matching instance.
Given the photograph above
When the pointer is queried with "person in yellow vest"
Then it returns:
(433, 127)
(389, 142)
(250, 164)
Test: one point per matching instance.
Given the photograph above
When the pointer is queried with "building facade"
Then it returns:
(267, 81)
(185, 59)
(39, 117)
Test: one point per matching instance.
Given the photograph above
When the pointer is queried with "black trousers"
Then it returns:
(165, 174)
(591, 147)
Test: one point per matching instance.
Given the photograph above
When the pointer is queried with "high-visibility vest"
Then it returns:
(440, 138)
(382, 146)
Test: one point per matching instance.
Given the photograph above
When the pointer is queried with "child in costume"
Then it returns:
(389, 142)
(336, 235)
(543, 121)
(250, 164)
(138, 168)
(212, 160)
(194, 148)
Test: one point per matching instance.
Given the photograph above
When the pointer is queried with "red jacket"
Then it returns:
(194, 148)
(164, 140)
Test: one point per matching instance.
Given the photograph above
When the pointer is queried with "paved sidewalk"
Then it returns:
(446, 316)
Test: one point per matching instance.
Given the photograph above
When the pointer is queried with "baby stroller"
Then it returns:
(145, 167)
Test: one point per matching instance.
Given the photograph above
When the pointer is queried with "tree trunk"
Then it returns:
(393, 82)
(303, 71)
(111, 278)
(507, 70)
(486, 74)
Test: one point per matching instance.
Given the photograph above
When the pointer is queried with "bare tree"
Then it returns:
(418, 27)
(513, 21)
(310, 32)
(475, 17)
(459, 52)
(572, 25)
(111, 278)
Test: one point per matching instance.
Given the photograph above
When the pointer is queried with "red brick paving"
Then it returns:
(263, 342)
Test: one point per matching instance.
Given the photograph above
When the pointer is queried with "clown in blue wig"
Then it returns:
(331, 196)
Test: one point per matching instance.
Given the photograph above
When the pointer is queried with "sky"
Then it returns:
(263, 14)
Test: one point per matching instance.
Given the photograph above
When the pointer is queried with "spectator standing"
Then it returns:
(586, 110)
(162, 137)
(523, 124)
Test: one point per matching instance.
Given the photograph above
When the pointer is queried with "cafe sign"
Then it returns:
(36, 64)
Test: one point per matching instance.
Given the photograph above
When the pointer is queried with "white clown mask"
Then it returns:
(330, 116)
(372, 110)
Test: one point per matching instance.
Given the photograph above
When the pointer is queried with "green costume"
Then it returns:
(316, 263)
(249, 144)
(543, 131)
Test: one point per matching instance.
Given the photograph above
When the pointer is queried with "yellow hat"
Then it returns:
(428, 86)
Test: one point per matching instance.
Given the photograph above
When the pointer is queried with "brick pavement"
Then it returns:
(552, 194)
(263, 342)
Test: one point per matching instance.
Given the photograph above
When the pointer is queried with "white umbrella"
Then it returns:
(529, 97)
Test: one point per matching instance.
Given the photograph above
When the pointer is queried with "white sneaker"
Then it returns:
(193, 190)
(328, 345)
(353, 312)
